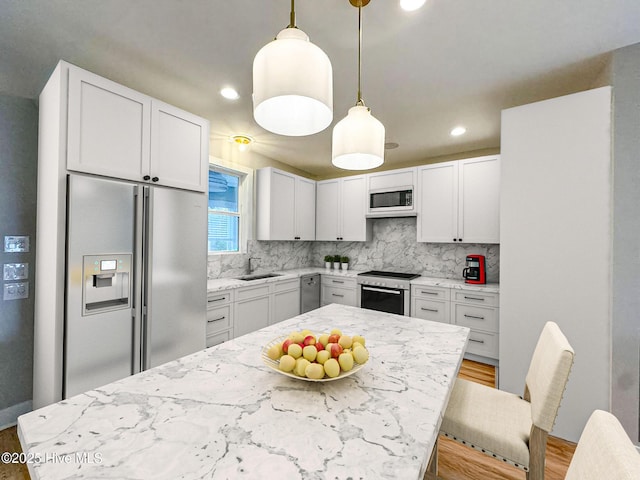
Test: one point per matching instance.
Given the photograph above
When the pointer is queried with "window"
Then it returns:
(224, 211)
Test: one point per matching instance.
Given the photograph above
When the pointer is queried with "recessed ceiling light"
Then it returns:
(411, 5)
(242, 141)
(456, 132)
(229, 93)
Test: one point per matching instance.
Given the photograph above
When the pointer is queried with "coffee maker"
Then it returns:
(474, 271)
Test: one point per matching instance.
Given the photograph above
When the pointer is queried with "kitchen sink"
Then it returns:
(258, 276)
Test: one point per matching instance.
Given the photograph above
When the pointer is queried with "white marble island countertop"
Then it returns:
(222, 414)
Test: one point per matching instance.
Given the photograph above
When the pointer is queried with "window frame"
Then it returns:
(245, 190)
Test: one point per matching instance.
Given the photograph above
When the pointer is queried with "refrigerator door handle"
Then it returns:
(138, 315)
(146, 267)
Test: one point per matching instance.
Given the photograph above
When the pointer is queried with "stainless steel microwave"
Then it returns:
(397, 201)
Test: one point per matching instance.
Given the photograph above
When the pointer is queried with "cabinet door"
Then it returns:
(251, 315)
(438, 203)
(327, 202)
(108, 127)
(305, 209)
(282, 206)
(285, 305)
(179, 148)
(354, 209)
(479, 200)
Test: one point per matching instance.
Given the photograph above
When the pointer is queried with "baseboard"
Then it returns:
(9, 416)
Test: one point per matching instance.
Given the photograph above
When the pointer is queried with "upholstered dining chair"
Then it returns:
(505, 426)
(604, 451)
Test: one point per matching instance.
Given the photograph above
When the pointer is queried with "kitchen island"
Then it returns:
(223, 414)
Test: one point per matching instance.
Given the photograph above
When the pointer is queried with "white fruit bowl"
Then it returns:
(273, 364)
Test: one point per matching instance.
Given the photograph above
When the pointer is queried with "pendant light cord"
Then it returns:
(360, 102)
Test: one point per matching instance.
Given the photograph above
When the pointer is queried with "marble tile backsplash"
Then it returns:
(393, 248)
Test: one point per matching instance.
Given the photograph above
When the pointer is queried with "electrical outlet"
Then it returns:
(15, 243)
(16, 291)
(16, 271)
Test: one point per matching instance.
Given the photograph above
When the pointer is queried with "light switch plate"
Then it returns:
(16, 291)
(16, 271)
(16, 243)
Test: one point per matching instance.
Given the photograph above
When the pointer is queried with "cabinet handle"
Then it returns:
(477, 341)
(429, 309)
(216, 299)
(455, 239)
(474, 298)
(146, 177)
(459, 239)
(337, 281)
(428, 293)
(296, 238)
(155, 179)
(216, 319)
(336, 295)
(474, 316)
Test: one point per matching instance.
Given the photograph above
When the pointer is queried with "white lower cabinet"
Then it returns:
(334, 289)
(430, 303)
(286, 300)
(469, 308)
(257, 306)
(252, 309)
(219, 317)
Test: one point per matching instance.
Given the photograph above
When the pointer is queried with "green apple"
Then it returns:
(287, 363)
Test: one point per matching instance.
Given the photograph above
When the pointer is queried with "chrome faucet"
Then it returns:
(250, 267)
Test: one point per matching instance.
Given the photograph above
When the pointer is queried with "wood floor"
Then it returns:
(456, 462)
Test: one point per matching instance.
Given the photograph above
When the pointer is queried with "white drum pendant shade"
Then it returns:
(292, 86)
(358, 141)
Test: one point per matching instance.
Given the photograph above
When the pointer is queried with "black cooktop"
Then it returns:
(377, 273)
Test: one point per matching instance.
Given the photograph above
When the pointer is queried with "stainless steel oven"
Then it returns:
(386, 291)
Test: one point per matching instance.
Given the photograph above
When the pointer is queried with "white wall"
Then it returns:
(625, 403)
(555, 244)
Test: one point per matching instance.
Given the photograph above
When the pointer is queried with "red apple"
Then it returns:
(309, 340)
(334, 338)
(335, 349)
(319, 346)
(285, 345)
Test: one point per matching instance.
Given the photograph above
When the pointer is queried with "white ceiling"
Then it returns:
(452, 62)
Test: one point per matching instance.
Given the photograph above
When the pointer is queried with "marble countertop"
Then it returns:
(217, 284)
(222, 414)
(457, 284)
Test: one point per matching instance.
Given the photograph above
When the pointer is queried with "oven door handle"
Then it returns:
(371, 289)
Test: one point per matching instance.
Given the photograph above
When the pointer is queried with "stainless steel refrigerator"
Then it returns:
(135, 279)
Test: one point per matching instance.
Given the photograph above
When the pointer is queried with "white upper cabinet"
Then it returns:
(179, 148)
(460, 201)
(341, 210)
(117, 132)
(285, 206)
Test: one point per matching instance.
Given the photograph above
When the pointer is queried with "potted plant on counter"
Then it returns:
(328, 260)
(336, 262)
(345, 263)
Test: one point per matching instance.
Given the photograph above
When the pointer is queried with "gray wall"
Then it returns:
(18, 164)
(625, 331)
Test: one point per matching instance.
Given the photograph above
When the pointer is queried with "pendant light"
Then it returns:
(292, 84)
(358, 139)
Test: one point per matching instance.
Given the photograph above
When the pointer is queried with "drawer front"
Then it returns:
(343, 296)
(218, 319)
(430, 293)
(339, 282)
(430, 310)
(484, 344)
(218, 298)
(475, 298)
(218, 338)
(476, 318)
(251, 292)
(285, 285)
